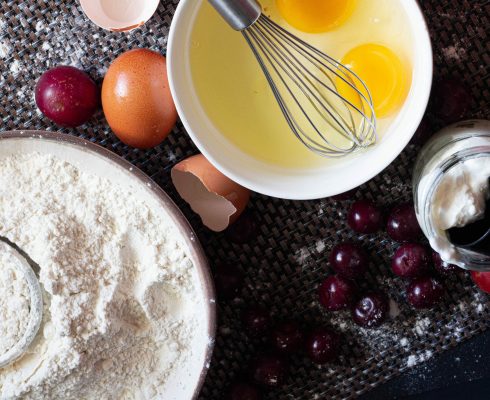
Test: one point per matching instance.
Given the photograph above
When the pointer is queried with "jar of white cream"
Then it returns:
(451, 188)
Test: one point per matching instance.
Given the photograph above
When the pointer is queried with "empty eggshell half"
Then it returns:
(217, 199)
(119, 15)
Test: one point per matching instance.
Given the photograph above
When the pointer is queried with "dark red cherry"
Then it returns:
(443, 268)
(243, 391)
(269, 370)
(402, 224)
(322, 345)
(425, 292)
(370, 310)
(287, 337)
(349, 260)
(256, 320)
(336, 293)
(410, 260)
(365, 217)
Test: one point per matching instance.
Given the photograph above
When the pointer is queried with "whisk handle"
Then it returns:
(240, 14)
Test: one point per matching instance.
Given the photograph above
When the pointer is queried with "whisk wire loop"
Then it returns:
(297, 129)
(280, 60)
(345, 74)
(304, 81)
(285, 110)
(292, 66)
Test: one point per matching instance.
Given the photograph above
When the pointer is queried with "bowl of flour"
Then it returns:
(128, 302)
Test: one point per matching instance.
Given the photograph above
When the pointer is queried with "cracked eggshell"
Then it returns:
(215, 198)
(119, 15)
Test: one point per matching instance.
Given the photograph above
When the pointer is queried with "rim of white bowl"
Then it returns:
(370, 163)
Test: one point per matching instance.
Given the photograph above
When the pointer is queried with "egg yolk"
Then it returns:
(314, 16)
(385, 75)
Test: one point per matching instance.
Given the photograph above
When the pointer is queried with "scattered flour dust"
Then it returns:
(302, 256)
(14, 301)
(122, 312)
(413, 359)
(5, 49)
(456, 52)
(320, 246)
(15, 67)
(40, 26)
(421, 326)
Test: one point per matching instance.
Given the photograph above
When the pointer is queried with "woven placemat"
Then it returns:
(288, 257)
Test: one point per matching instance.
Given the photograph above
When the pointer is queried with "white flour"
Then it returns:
(4, 49)
(15, 67)
(462, 193)
(121, 307)
(14, 301)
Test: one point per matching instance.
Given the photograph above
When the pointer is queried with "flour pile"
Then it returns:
(121, 299)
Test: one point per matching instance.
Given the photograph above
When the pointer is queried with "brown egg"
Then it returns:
(136, 98)
(217, 199)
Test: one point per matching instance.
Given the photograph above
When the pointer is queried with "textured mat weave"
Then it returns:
(288, 258)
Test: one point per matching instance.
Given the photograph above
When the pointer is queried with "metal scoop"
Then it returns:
(28, 269)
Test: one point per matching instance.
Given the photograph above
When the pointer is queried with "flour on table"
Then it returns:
(5, 49)
(171, 156)
(14, 301)
(411, 360)
(302, 256)
(320, 246)
(455, 52)
(414, 359)
(15, 67)
(40, 26)
(122, 310)
(421, 326)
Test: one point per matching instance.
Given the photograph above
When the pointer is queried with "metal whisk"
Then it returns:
(305, 83)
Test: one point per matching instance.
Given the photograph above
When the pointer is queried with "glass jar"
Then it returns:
(454, 145)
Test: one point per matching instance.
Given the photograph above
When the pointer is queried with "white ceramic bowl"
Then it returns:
(185, 382)
(293, 184)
